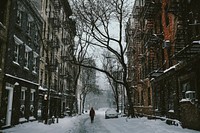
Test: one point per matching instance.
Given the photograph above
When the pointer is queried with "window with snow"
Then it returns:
(36, 37)
(16, 53)
(23, 92)
(19, 13)
(29, 24)
(28, 28)
(27, 56)
(190, 95)
(18, 42)
(185, 87)
(35, 56)
(32, 95)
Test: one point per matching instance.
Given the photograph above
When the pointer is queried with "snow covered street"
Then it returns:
(82, 124)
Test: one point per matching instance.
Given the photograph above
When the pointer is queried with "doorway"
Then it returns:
(9, 105)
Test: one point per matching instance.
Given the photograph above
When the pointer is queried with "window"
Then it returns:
(185, 88)
(35, 56)
(142, 97)
(16, 53)
(46, 78)
(29, 24)
(26, 56)
(19, 18)
(32, 95)
(41, 77)
(26, 59)
(190, 95)
(23, 94)
(28, 28)
(18, 42)
(19, 13)
(36, 37)
(149, 96)
(166, 44)
(34, 64)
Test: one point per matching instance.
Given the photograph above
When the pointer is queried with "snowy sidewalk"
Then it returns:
(82, 124)
(64, 125)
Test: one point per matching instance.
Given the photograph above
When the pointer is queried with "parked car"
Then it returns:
(111, 113)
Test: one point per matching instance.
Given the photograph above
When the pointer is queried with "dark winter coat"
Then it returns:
(92, 112)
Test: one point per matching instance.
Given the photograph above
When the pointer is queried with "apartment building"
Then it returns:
(165, 59)
(21, 63)
(56, 89)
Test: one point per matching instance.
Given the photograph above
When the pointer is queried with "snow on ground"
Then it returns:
(82, 124)
(66, 124)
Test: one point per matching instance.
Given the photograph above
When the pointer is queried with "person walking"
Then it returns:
(92, 114)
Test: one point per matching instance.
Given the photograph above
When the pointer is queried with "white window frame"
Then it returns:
(18, 42)
(35, 56)
(29, 21)
(16, 53)
(27, 59)
(32, 97)
(23, 93)
(36, 36)
(190, 95)
(28, 28)
(20, 10)
(26, 56)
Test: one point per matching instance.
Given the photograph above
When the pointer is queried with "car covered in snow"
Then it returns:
(111, 113)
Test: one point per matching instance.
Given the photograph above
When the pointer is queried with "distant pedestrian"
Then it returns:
(92, 114)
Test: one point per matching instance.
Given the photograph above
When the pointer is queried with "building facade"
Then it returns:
(168, 55)
(20, 82)
(56, 89)
(138, 28)
(36, 44)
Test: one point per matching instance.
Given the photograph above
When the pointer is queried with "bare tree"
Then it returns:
(98, 17)
(86, 89)
(111, 65)
(88, 80)
(80, 53)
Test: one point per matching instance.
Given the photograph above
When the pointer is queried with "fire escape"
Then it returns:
(152, 43)
(53, 46)
(188, 33)
(134, 34)
(137, 53)
(69, 27)
(66, 72)
(56, 22)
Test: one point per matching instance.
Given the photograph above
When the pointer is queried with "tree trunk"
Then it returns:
(117, 99)
(130, 102)
(83, 104)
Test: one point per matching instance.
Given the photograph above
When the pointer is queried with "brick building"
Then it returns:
(56, 89)
(20, 82)
(36, 80)
(168, 52)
